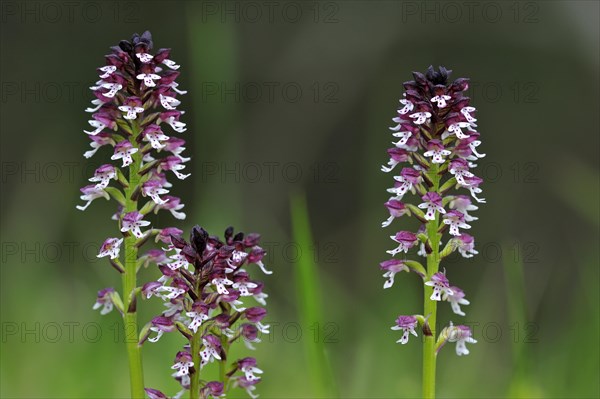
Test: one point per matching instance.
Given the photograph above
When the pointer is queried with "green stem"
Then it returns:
(223, 363)
(129, 285)
(430, 306)
(195, 376)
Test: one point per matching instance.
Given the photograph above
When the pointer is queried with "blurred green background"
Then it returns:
(293, 99)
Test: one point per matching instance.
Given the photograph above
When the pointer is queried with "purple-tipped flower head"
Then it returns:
(436, 149)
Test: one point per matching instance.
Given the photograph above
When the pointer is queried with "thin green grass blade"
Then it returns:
(520, 385)
(310, 303)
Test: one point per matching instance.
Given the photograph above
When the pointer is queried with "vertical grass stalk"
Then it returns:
(309, 299)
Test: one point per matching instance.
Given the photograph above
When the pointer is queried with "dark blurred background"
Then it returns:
(295, 98)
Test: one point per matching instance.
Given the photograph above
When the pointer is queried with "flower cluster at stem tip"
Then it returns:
(136, 100)
(435, 151)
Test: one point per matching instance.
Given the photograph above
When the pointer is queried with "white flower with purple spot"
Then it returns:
(178, 260)
(420, 117)
(220, 283)
(406, 241)
(248, 366)
(144, 57)
(456, 128)
(176, 125)
(441, 286)
(472, 184)
(432, 201)
(174, 164)
(133, 222)
(391, 267)
(98, 104)
(466, 111)
(463, 204)
(171, 64)
(161, 325)
(113, 89)
(174, 86)
(396, 209)
(151, 289)
(248, 385)
(456, 298)
(198, 315)
(104, 301)
(98, 140)
(124, 150)
(461, 335)
(111, 247)
(155, 135)
(90, 193)
(466, 245)
(149, 78)
(243, 285)
(256, 256)
(237, 258)
(99, 126)
(407, 106)
(154, 189)
(131, 111)
(436, 151)
(405, 182)
(404, 137)
(168, 102)
(460, 169)
(455, 220)
(211, 351)
(441, 100)
(173, 205)
(107, 71)
(397, 155)
(168, 292)
(407, 324)
(183, 364)
(103, 175)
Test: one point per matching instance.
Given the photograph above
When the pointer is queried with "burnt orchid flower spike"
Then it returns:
(134, 120)
(435, 153)
(206, 286)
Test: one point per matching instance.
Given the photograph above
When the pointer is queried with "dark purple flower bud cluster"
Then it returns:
(206, 284)
(435, 152)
